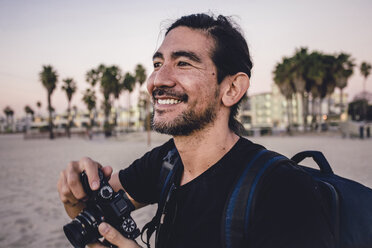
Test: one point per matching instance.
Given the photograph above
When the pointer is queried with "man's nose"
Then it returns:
(164, 77)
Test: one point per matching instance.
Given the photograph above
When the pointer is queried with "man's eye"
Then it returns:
(182, 63)
(157, 64)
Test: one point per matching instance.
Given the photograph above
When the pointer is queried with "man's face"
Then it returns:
(184, 83)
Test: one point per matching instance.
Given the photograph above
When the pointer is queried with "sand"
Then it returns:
(31, 214)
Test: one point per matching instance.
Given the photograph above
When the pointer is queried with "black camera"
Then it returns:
(103, 205)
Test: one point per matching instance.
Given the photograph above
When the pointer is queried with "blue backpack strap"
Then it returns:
(235, 223)
(166, 178)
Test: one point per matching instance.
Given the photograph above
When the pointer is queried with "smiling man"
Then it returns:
(201, 73)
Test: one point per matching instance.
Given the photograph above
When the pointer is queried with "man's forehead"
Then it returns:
(185, 39)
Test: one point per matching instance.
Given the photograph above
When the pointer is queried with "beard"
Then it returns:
(188, 121)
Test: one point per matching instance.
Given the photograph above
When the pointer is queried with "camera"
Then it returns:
(102, 205)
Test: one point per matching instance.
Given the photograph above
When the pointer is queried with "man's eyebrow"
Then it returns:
(157, 55)
(190, 55)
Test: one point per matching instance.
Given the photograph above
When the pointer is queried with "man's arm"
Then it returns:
(116, 185)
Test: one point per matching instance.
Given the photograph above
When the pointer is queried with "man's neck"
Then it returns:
(203, 149)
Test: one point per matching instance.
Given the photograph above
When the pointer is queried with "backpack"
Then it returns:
(350, 202)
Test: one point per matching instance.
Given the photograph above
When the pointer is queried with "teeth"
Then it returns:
(168, 101)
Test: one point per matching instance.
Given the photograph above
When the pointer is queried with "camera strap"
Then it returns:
(168, 173)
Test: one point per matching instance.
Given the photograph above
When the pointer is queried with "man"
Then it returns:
(201, 73)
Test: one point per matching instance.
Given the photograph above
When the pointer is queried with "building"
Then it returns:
(271, 112)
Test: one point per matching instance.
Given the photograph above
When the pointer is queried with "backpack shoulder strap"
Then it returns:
(241, 200)
(166, 178)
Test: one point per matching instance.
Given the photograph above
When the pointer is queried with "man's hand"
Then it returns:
(114, 237)
(70, 189)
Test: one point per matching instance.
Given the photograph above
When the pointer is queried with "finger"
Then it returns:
(91, 169)
(107, 171)
(64, 191)
(96, 245)
(114, 237)
(72, 175)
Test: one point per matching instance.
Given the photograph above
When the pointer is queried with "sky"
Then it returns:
(76, 36)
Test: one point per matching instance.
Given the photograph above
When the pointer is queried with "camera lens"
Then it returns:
(82, 230)
(75, 234)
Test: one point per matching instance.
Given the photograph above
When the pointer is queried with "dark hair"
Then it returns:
(230, 55)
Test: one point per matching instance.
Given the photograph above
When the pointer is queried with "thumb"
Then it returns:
(115, 237)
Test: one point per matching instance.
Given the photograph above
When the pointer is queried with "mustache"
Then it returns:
(169, 92)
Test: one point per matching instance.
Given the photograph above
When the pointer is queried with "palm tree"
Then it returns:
(110, 84)
(283, 77)
(70, 88)
(141, 78)
(329, 80)
(343, 70)
(9, 113)
(93, 76)
(140, 74)
(89, 98)
(115, 72)
(109, 79)
(29, 111)
(365, 70)
(128, 85)
(49, 78)
(38, 105)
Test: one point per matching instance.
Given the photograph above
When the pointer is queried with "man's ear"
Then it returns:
(234, 89)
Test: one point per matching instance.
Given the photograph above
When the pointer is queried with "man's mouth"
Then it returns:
(168, 97)
(168, 101)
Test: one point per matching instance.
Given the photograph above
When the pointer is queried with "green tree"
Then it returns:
(38, 105)
(49, 78)
(93, 76)
(301, 63)
(109, 81)
(141, 76)
(9, 113)
(283, 77)
(69, 88)
(89, 98)
(29, 111)
(116, 78)
(329, 81)
(128, 85)
(365, 70)
(343, 70)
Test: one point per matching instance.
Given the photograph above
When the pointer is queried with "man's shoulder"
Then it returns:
(246, 145)
(161, 150)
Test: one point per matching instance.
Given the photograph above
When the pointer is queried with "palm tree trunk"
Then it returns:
(129, 113)
(68, 120)
(305, 110)
(51, 134)
(341, 102)
(289, 114)
(90, 127)
(313, 119)
(329, 105)
(320, 116)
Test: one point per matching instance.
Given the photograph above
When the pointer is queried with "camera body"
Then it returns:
(103, 205)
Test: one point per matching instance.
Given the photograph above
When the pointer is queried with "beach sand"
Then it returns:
(31, 214)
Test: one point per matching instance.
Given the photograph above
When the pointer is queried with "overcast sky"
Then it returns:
(75, 36)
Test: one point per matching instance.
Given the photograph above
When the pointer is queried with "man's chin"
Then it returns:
(172, 129)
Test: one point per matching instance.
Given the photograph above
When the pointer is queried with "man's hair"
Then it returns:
(230, 55)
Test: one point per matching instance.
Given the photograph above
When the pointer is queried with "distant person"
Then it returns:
(368, 132)
(201, 72)
(361, 131)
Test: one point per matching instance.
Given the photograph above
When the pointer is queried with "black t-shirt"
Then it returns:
(288, 213)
